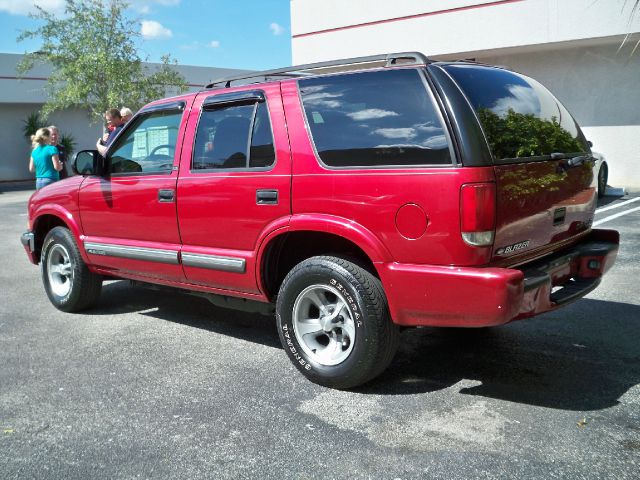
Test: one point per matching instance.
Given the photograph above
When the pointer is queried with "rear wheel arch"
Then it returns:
(286, 250)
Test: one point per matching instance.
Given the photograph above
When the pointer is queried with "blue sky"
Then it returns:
(252, 34)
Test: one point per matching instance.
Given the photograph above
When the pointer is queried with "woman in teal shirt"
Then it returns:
(44, 160)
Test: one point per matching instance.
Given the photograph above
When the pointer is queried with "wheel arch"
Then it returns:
(306, 236)
(48, 218)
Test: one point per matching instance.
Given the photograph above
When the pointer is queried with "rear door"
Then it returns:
(234, 184)
(543, 165)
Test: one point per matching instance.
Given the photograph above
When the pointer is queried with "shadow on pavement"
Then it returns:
(583, 357)
(604, 201)
(172, 305)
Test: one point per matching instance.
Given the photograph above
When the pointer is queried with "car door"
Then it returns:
(129, 214)
(234, 185)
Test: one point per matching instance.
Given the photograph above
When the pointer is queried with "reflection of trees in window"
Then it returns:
(529, 181)
(517, 135)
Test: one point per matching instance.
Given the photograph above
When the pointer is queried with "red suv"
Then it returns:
(356, 196)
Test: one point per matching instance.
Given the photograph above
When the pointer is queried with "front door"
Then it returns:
(234, 186)
(129, 214)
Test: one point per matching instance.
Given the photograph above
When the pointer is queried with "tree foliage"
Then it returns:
(96, 66)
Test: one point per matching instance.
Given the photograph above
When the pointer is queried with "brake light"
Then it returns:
(478, 213)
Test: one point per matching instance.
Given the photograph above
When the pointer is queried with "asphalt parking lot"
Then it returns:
(157, 385)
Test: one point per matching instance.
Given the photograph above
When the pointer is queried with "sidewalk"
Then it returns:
(17, 186)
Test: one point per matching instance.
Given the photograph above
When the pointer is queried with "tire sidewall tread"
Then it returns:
(376, 335)
(85, 287)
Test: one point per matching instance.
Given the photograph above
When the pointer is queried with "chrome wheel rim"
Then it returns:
(324, 325)
(59, 270)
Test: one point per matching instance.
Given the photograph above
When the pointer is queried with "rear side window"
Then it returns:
(520, 117)
(234, 137)
(384, 118)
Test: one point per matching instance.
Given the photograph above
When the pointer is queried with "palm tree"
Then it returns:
(634, 11)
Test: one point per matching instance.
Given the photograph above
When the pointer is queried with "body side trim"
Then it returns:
(134, 253)
(214, 262)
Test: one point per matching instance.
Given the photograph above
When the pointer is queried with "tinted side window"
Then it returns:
(383, 118)
(149, 146)
(223, 137)
(520, 117)
(262, 153)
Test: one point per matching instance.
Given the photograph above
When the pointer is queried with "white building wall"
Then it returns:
(571, 46)
(330, 29)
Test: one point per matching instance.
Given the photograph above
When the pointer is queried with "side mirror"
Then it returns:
(590, 143)
(87, 162)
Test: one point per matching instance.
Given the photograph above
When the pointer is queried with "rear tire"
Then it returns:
(603, 177)
(334, 322)
(69, 284)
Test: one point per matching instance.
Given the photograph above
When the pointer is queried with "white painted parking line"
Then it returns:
(617, 205)
(617, 215)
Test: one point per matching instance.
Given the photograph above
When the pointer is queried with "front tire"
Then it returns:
(334, 322)
(69, 284)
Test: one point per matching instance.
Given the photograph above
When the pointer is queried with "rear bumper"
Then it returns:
(28, 242)
(421, 295)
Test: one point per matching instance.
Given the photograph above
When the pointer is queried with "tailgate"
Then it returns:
(545, 187)
(540, 204)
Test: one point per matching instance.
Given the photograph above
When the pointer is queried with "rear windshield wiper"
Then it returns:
(570, 161)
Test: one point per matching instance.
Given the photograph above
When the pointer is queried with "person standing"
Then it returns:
(113, 119)
(44, 160)
(62, 152)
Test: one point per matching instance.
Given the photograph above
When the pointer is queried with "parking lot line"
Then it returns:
(610, 207)
(617, 215)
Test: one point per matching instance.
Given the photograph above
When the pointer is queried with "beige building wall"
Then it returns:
(20, 97)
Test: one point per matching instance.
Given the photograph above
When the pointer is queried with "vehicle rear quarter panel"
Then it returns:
(372, 198)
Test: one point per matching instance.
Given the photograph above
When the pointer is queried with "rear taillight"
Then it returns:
(478, 213)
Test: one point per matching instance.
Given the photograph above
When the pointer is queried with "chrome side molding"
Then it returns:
(198, 260)
(214, 262)
(134, 253)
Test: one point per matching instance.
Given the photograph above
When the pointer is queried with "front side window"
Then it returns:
(382, 118)
(234, 137)
(148, 146)
(520, 117)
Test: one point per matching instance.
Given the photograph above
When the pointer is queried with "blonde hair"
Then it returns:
(126, 112)
(41, 137)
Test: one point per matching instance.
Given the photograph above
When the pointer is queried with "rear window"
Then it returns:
(372, 119)
(520, 117)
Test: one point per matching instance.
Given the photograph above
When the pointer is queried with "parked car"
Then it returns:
(352, 197)
(601, 171)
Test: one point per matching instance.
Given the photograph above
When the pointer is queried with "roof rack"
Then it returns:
(384, 60)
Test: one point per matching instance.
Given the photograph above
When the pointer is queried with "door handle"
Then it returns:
(267, 197)
(166, 196)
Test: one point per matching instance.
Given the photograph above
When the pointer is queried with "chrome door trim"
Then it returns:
(214, 262)
(134, 253)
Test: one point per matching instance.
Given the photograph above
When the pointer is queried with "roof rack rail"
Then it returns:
(388, 59)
